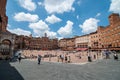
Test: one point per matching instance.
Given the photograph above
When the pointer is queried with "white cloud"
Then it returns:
(77, 17)
(115, 6)
(52, 19)
(60, 38)
(66, 31)
(40, 25)
(28, 4)
(51, 34)
(40, 3)
(40, 28)
(98, 14)
(58, 6)
(90, 25)
(26, 17)
(19, 31)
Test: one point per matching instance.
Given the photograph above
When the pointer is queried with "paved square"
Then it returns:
(29, 70)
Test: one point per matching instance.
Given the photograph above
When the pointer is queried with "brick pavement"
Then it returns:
(106, 69)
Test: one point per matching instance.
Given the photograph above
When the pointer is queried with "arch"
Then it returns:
(5, 47)
(6, 42)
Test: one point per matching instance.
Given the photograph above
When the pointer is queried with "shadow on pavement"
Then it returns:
(8, 72)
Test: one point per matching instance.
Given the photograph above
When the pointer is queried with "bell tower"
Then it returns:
(3, 17)
(45, 35)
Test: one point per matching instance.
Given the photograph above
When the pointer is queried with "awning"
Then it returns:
(81, 49)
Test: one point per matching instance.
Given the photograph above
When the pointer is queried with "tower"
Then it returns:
(45, 34)
(3, 17)
(113, 18)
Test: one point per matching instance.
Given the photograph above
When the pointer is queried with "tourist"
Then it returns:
(69, 59)
(62, 57)
(94, 56)
(80, 56)
(107, 54)
(89, 58)
(50, 57)
(19, 57)
(39, 59)
(66, 59)
(115, 56)
(58, 58)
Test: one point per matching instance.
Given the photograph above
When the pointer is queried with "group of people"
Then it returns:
(107, 54)
(65, 58)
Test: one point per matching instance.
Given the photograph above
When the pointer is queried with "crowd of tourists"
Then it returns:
(64, 56)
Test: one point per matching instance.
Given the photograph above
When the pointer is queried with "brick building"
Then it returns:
(9, 42)
(107, 37)
(81, 42)
(67, 44)
(94, 40)
(35, 43)
(6, 38)
(110, 35)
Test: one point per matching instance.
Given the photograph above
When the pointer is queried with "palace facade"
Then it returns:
(35, 43)
(67, 44)
(110, 35)
(81, 42)
(107, 37)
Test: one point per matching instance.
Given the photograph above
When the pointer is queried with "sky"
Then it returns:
(59, 18)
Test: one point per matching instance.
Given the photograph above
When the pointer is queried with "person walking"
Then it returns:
(89, 58)
(62, 58)
(50, 57)
(66, 59)
(69, 59)
(39, 59)
(19, 57)
(94, 56)
(58, 57)
(115, 56)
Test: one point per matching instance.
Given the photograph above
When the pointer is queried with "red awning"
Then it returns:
(81, 49)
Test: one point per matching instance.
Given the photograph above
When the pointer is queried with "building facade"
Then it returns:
(67, 44)
(104, 38)
(10, 43)
(107, 37)
(81, 42)
(110, 35)
(6, 38)
(35, 43)
(70, 44)
(94, 40)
